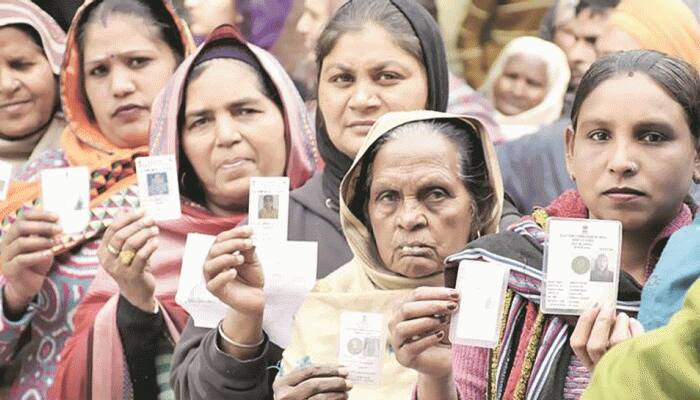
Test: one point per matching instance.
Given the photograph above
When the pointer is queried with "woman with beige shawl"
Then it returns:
(423, 184)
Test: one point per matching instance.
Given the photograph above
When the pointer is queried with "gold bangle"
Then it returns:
(236, 344)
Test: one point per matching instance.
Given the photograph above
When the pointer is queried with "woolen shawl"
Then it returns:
(92, 363)
(364, 284)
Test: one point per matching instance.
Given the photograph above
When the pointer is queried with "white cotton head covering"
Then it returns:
(558, 75)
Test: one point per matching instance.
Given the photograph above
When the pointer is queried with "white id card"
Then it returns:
(361, 346)
(5, 178)
(66, 193)
(268, 207)
(159, 192)
(482, 288)
(581, 264)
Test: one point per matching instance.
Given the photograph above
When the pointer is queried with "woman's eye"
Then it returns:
(245, 111)
(389, 76)
(436, 194)
(21, 65)
(98, 71)
(599, 135)
(138, 62)
(197, 123)
(342, 78)
(653, 137)
(387, 197)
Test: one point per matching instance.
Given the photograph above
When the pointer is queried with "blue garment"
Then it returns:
(675, 272)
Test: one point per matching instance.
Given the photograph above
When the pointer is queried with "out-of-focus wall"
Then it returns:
(451, 15)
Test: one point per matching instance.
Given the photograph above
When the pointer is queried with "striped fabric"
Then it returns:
(52, 36)
(163, 361)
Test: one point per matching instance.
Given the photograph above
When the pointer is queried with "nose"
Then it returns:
(411, 216)
(622, 161)
(122, 82)
(227, 133)
(8, 82)
(364, 98)
(519, 87)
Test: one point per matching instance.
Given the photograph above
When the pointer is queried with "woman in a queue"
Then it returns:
(402, 67)
(229, 113)
(108, 85)
(31, 52)
(631, 164)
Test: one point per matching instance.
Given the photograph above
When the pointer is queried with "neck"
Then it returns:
(635, 252)
(224, 210)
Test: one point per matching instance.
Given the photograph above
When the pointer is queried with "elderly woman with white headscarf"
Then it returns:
(526, 85)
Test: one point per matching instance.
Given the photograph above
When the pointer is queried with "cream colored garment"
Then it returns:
(558, 75)
(19, 152)
(364, 285)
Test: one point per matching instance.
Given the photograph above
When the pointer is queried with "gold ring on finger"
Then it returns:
(112, 250)
(126, 257)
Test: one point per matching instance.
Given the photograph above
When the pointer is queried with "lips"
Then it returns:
(15, 106)
(234, 163)
(415, 249)
(623, 194)
(128, 111)
(361, 124)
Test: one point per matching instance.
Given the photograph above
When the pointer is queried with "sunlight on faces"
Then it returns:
(522, 84)
(28, 89)
(232, 132)
(123, 77)
(205, 15)
(358, 87)
(419, 209)
(646, 146)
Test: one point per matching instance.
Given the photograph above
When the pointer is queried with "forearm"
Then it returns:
(436, 388)
(12, 326)
(244, 330)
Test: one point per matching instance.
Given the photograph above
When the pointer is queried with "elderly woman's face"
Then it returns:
(522, 84)
(27, 85)
(419, 209)
(231, 133)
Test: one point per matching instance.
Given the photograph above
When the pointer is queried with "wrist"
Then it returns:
(242, 329)
(15, 303)
(142, 302)
(436, 387)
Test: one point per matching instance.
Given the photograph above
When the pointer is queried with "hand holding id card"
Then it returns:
(159, 191)
(581, 264)
(66, 193)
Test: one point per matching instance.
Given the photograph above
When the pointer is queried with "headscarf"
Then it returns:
(53, 39)
(111, 168)
(264, 20)
(95, 319)
(668, 26)
(558, 75)
(53, 44)
(435, 62)
(364, 284)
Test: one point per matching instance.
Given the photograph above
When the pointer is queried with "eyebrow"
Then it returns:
(650, 123)
(234, 104)
(123, 54)
(379, 66)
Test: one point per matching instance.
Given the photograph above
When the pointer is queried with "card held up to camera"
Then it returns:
(482, 287)
(159, 191)
(66, 193)
(268, 208)
(581, 264)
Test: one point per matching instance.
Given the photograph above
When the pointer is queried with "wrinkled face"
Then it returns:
(522, 84)
(632, 163)
(581, 53)
(419, 209)
(232, 132)
(313, 20)
(28, 92)
(357, 87)
(123, 77)
(205, 15)
(614, 39)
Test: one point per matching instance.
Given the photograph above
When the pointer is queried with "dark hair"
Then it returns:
(429, 6)
(597, 7)
(472, 168)
(356, 14)
(676, 77)
(30, 31)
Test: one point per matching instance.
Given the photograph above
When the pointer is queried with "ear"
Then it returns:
(569, 148)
